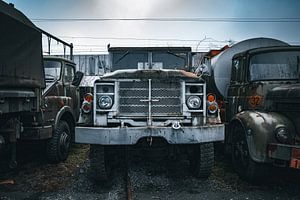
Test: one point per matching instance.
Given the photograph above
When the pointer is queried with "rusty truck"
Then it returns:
(150, 97)
(258, 82)
(38, 94)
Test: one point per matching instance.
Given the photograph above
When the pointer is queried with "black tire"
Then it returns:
(99, 163)
(242, 162)
(58, 146)
(202, 160)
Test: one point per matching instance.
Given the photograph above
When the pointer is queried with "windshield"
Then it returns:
(141, 60)
(52, 71)
(282, 65)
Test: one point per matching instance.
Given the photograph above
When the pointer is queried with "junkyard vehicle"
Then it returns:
(261, 89)
(150, 97)
(38, 95)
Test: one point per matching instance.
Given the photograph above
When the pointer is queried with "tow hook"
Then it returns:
(176, 125)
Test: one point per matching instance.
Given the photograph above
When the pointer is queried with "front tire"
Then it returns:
(202, 160)
(58, 146)
(242, 162)
(99, 165)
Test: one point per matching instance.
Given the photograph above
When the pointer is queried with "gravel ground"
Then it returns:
(151, 177)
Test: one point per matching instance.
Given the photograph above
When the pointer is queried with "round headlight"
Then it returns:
(282, 135)
(105, 102)
(193, 102)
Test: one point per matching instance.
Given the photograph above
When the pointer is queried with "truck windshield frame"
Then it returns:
(53, 71)
(150, 60)
(274, 66)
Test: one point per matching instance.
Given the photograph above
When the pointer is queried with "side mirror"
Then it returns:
(77, 78)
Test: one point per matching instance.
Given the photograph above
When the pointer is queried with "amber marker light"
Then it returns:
(88, 97)
(211, 97)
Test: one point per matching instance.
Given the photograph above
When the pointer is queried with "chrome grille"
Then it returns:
(166, 98)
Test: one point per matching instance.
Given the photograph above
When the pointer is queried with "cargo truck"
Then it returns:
(150, 97)
(258, 84)
(38, 95)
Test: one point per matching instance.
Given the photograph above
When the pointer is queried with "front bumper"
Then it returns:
(288, 153)
(131, 135)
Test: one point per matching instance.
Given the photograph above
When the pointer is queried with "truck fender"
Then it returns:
(66, 114)
(259, 130)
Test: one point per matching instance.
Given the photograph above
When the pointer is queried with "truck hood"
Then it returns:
(285, 91)
(151, 74)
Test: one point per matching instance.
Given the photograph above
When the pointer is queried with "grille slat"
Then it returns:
(168, 95)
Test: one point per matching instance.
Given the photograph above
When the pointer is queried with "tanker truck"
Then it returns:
(257, 81)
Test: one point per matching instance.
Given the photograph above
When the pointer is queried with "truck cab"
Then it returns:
(263, 105)
(150, 96)
(59, 76)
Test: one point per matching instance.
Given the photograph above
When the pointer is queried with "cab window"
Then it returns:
(68, 74)
(237, 71)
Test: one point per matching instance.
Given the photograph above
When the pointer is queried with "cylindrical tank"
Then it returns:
(221, 64)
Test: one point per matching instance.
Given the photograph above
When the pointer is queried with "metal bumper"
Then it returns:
(289, 153)
(131, 135)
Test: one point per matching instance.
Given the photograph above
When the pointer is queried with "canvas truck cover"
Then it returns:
(21, 62)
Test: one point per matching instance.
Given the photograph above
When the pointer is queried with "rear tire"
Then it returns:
(242, 162)
(58, 146)
(99, 165)
(202, 160)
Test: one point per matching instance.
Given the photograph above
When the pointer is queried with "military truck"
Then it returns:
(258, 80)
(150, 97)
(38, 95)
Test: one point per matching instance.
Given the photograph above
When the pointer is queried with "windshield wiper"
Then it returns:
(174, 54)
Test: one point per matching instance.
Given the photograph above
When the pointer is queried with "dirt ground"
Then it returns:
(151, 177)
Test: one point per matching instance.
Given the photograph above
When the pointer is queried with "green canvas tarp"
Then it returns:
(21, 63)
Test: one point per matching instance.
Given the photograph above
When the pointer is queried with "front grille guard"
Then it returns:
(146, 103)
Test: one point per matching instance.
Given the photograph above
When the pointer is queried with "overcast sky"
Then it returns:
(216, 33)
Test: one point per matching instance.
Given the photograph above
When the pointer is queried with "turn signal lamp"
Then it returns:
(88, 97)
(86, 107)
(213, 108)
(211, 97)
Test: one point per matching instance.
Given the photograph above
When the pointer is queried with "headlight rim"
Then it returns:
(105, 107)
(190, 105)
(279, 138)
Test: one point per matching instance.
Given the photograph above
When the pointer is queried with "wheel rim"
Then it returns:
(64, 143)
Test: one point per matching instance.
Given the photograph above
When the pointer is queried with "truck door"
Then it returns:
(70, 90)
(236, 91)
